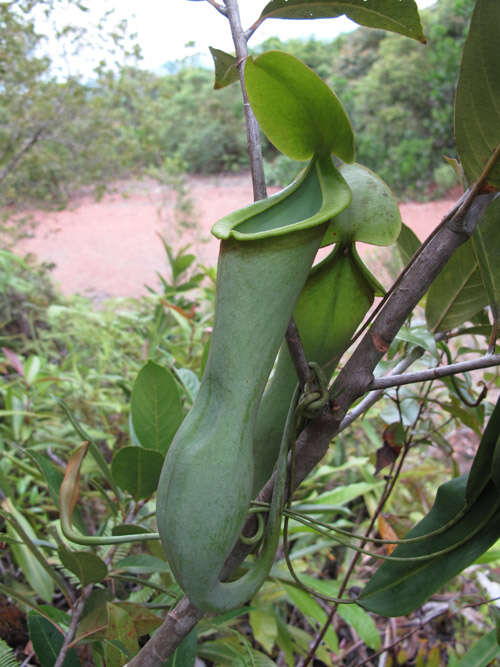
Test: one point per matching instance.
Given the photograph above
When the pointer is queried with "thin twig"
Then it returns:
(389, 485)
(297, 354)
(434, 373)
(252, 127)
(75, 619)
(218, 7)
(254, 27)
(377, 394)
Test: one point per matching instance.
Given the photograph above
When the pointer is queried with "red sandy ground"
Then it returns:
(112, 248)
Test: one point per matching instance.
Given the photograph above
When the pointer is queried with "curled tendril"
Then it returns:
(259, 533)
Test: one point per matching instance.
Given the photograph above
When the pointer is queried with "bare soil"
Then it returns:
(112, 247)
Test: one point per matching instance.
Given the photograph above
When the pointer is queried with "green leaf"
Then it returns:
(226, 68)
(88, 567)
(53, 476)
(373, 215)
(185, 653)
(408, 243)
(264, 626)
(297, 111)
(420, 337)
(362, 623)
(7, 655)
(32, 570)
(156, 407)
(486, 246)
(482, 652)
(353, 615)
(458, 292)
(343, 494)
(190, 382)
(477, 102)
(302, 640)
(142, 564)
(312, 611)
(471, 278)
(393, 15)
(480, 472)
(230, 652)
(397, 588)
(47, 642)
(137, 470)
(145, 621)
(122, 636)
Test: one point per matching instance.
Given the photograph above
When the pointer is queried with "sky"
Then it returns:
(165, 27)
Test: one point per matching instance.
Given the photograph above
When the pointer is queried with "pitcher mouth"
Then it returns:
(318, 194)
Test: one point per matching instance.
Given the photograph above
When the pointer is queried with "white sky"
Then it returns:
(164, 27)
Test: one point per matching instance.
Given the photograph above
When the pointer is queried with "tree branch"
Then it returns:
(434, 373)
(22, 151)
(377, 394)
(253, 135)
(353, 381)
(218, 7)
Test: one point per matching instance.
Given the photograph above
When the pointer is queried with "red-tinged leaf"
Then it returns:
(387, 532)
(384, 456)
(69, 491)
(14, 361)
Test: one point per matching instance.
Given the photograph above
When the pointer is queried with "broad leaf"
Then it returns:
(313, 612)
(482, 652)
(229, 652)
(470, 279)
(458, 292)
(47, 642)
(32, 569)
(156, 407)
(408, 243)
(145, 620)
(185, 653)
(142, 564)
(480, 472)
(122, 637)
(477, 104)
(399, 16)
(354, 616)
(373, 215)
(137, 470)
(397, 588)
(226, 68)
(88, 567)
(297, 111)
(264, 626)
(486, 245)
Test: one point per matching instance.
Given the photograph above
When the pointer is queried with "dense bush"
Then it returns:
(56, 136)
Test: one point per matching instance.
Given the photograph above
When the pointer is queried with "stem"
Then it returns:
(391, 481)
(377, 394)
(434, 373)
(75, 619)
(253, 136)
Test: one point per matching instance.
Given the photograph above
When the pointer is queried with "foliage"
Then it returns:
(45, 122)
(90, 399)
